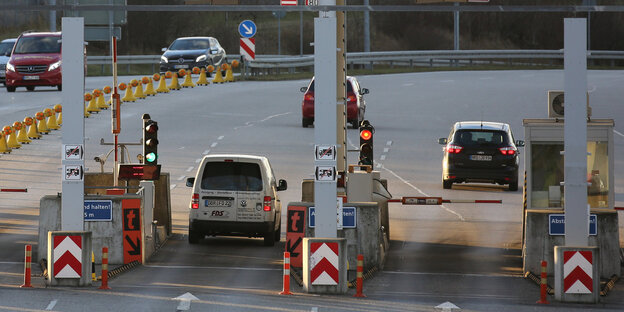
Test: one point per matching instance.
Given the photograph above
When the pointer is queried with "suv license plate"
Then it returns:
(481, 157)
(31, 77)
(218, 203)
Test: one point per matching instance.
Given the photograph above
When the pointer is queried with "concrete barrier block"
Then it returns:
(576, 274)
(325, 265)
(64, 266)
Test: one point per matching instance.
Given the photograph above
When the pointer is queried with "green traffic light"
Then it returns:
(150, 157)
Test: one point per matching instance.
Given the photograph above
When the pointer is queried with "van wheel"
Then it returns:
(269, 238)
(193, 237)
(278, 233)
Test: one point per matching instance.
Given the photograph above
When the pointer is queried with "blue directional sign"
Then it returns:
(349, 217)
(98, 210)
(556, 224)
(247, 29)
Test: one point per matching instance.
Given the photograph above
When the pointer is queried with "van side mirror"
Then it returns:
(282, 185)
(190, 182)
(519, 143)
(442, 141)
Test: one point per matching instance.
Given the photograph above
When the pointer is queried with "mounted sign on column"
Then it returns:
(247, 29)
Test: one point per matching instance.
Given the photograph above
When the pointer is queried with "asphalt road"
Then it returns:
(467, 254)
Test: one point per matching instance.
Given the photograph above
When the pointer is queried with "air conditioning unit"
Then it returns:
(556, 104)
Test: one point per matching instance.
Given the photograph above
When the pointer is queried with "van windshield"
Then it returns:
(231, 176)
(38, 44)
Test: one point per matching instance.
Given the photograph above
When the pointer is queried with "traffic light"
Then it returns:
(150, 140)
(366, 143)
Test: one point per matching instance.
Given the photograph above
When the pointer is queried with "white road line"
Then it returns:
(198, 160)
(486, 78)
(383, 157)
(189, 169)
(220, 138)
(193, 267)
(314, 309)
(51, 305)
(181, 147)
(172, 186)
(421, 192)
(181, 178)
(448, 80)
(408, 84)
(618, 133)
(386, 149)
(206, 152)
(213, 145)
(389, 143)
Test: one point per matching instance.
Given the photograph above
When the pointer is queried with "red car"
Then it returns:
(356, 106)
(35, 61)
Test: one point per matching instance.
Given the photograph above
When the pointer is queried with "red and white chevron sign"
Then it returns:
(577, 272)
(248, 48)
(324, 263)
(288, 2)
(67, 256)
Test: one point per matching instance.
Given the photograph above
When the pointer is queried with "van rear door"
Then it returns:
(218, 191)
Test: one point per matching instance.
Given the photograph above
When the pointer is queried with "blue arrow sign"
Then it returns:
(247, 29)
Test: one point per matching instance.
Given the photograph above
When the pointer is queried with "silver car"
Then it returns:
(6, 46)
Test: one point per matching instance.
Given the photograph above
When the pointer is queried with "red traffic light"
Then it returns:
(366, 134)
(151, 128)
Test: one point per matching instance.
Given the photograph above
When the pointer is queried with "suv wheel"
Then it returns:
(30, 88)
(10, 88)
(447, 184)
(193, 237)
(513, 186)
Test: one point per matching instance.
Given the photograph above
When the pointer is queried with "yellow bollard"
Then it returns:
(52, 125)
(174, 85)
(59, 109)
(128, 97)
(12, 139)
(218, 77)
(149, 89)
(99, 100)
(4, 148)
(138, 92)
(32, 131)
(162, 85)
(41, 124)
(21, 135)
(188, 83)
(202, 80)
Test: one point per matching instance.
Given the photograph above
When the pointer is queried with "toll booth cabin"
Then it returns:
(543, 223)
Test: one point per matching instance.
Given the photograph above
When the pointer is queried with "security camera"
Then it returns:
(98, 158)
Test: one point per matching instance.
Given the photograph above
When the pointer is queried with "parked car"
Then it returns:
(235, 195)
(35, 61)
(356, 106)
(480, 151)
(6, 46)
(189, 52)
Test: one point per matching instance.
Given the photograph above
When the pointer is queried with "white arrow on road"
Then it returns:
(248, 30)
(185, 301)
(447, 307)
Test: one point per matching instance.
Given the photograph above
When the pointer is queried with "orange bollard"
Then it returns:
(27, 261)
(286, 288)
(104, 268)
(544, 284)
(359, 280)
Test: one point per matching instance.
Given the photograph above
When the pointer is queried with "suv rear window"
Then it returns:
(38, 44)
(480, 137)
(349, 87)
(231, 176)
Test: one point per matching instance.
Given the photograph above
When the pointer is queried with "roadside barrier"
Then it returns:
(4, 148)
(188, 83)
(21, 135)
(51, 124)
(11, 138)
(27, 260)
(104, 268)
(286, 286)
(359, 277)
(202, 80)
(543, 284)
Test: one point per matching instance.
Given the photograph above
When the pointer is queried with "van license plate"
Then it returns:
(218, 203)
(481, 157)
(31, 77)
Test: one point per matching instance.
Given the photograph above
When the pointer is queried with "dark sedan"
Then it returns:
(189, 52)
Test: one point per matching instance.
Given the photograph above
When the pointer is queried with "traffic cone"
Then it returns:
(174, 85)
(229, 75)
(100, 101)
(52, 124)
(41, 124)
(59, 109)
(218, 77)
(93, 107)
(162, 85)
(21, 135)
(202, 81)
(138, 92)
(122, 86)
(107, 90)
(149, 89)
(12, 138)
(32, 131)
(128, 97)
(4, 149)
(188, 83)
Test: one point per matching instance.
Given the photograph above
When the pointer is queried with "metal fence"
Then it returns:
(264, 64)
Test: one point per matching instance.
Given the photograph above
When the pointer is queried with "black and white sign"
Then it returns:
(325, 152)
(72, 173)
(72, 152)
(325, 173)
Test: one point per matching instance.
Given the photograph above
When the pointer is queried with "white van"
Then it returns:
(235, 195)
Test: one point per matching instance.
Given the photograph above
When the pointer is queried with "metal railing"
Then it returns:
(269, 63)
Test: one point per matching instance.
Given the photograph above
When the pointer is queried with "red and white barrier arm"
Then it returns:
(16, 190)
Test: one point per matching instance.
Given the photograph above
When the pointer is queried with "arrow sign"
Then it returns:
(136, 248)
(247, 29)
(447, 307)
(292, 249)
(185, 301)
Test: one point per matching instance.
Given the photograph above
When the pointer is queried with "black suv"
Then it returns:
(479, 151)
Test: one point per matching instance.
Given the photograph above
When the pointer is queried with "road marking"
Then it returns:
(181, 147)
(618, 133)
(383, 157)
(185, 301)
(448, 80)
(213, 145)
(206, 152)
(251, 123)
(172, 186)
(421, 192)
(386, 149)
(408, 84)
(454, 274)
(181, 178)
(314, 309)
(486, 78)
(189, 169)
(192, 267)
(51, 305)
(389, 143)
(220, 138)
(198, 160)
